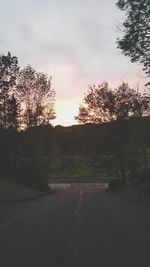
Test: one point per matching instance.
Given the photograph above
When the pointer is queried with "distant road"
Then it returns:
(61, 186)
(75, 228)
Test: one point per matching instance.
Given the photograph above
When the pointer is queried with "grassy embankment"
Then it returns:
(14, 191)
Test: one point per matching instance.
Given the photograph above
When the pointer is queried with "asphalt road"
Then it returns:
(75, 228)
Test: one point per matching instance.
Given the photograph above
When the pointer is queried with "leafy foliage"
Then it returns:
(37, 96)
(13, 112)
(8, 75)
(135, 41)
(101, 104)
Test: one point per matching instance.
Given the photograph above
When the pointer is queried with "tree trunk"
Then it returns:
(121, 161)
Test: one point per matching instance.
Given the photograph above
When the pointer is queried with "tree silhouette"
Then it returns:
(101, 104)
(37, 96)
(135, 41)
(13, 113)
(96, 105)
(8, 75)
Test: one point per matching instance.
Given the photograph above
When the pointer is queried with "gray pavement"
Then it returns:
(75, 228)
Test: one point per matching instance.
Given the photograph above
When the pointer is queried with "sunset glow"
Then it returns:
(62, 39)
(66, 112)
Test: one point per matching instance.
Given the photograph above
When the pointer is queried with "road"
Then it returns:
(75, 228)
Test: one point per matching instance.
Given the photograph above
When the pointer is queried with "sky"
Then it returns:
(74, 41)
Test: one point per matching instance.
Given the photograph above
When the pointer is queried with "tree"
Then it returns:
(8, 75)
(135, 41)
(101, 104)
(37, 96)
(129, 103)
(35, 150)
(96, 105)
(13, 113)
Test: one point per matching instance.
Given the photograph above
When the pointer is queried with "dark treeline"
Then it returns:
(25, 155)
(119, 149)
(112, 141)
(26, 111)
(122, 147)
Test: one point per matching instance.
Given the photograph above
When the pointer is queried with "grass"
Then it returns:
(14, 191)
